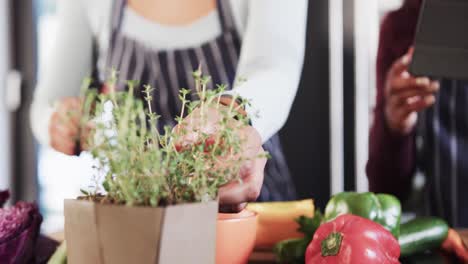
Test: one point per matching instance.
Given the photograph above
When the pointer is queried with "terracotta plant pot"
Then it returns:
(114, 234)
(235, 238)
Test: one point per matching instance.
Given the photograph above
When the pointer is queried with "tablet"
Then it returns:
(441, 41)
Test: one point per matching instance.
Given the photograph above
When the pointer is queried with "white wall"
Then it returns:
(336, 96)
(4, 114)
(366, 38)
(367, 15)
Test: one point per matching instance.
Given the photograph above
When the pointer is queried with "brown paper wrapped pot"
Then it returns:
(113, 234)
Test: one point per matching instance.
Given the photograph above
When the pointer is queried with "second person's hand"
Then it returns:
(406, 95)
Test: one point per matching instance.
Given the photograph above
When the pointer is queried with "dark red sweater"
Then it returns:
(392, 158)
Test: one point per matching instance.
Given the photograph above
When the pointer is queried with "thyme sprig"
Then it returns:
(145, 166)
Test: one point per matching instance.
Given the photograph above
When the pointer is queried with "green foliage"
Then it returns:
(293, 250)
(141, 166)
(308, 225)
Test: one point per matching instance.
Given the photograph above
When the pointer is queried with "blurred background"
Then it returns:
(325, 140)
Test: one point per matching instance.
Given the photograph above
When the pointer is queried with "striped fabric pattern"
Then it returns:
(170, 70)
(444, 152)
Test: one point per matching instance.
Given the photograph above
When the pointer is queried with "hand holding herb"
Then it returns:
(211, 152)
(251, 173)
(207, 125)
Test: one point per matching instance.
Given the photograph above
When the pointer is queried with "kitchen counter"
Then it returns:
(267, 257)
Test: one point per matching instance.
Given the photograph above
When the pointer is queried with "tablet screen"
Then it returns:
(441, 41)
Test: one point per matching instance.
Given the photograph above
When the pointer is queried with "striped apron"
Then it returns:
(444, 153)
(170, 70)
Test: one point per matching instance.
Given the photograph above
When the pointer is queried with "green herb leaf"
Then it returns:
(308, 225)
(291, 251)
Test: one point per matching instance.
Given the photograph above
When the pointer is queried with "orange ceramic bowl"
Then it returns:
(235, 237)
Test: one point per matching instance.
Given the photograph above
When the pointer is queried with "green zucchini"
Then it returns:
(291, 251)
(421, 234)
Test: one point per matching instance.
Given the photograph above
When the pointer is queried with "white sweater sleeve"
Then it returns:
(271, 61)
(68, 63)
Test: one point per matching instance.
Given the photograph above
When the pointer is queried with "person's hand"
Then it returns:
(64, 125)
(406, 95)
(234, 195)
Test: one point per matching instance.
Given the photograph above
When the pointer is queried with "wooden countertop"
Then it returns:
(259, 256)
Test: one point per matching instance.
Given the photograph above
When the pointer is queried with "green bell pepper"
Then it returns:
(384, 209)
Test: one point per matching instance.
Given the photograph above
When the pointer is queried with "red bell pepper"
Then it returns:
(351, 239)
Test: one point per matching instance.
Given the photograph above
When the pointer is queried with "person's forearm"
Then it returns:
(270, 96)
(271, 59)
(392, 159)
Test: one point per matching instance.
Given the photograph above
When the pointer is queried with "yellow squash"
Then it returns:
(276, 220)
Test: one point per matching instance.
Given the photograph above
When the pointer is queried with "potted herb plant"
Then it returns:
(152, 200)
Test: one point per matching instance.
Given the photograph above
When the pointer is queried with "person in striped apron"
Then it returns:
(161, 42)
(419, 124)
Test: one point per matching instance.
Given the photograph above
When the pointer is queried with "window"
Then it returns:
(5, 158)
(387, 5)
(59, 176)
